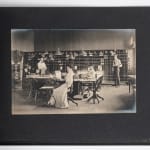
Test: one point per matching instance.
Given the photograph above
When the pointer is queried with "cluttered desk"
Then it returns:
(81, 80)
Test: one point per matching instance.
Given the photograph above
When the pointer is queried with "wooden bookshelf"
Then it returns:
(93, 57)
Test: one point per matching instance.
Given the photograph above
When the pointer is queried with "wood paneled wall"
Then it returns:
(47, 40)
(22, 40)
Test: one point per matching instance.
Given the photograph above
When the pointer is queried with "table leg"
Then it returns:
(129, 85)
(100, 97)
(90, 98)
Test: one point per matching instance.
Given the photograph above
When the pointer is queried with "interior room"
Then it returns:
(73, 71)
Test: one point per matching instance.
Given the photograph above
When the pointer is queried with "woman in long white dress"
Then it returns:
(59, 96)
(42, 66)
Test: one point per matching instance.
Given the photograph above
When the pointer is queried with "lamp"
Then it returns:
(95, 53)
(75, 54)
(90, 54)
(115, 51)
(75, 67)
(58, 52)
(83, 53)
(71, 56)
(51, 57)
(101, 53)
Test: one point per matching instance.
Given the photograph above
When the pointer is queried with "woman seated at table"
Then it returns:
(91, 72)
(59, 96)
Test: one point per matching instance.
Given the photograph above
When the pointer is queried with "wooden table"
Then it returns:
(41, 84)
(91, 81)
(44, 77)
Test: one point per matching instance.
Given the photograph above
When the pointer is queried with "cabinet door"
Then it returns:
(108, 70)
(108, 66)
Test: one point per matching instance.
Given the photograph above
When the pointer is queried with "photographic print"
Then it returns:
(73, 71)
(78, 75)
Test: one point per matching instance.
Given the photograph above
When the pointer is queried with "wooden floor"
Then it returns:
(117, 100)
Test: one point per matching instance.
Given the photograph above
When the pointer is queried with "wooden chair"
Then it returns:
(69, 95)
(85, 87)
(38, 86)
(96, 86)
(47, 89)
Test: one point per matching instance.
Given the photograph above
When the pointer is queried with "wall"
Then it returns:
(22, 40)
(47, 40)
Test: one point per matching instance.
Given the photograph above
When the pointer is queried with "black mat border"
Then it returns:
(91, 129)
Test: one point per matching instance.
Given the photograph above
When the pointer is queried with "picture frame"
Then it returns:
(91, 129)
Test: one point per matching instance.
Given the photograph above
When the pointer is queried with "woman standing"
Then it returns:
(42, 66)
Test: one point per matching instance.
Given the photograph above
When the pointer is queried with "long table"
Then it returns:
(78, 82)
(93, 82)
(54, 78)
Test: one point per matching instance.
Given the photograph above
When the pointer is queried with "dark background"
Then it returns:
(76, 129)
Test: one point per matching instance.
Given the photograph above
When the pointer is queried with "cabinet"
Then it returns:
(92, 57)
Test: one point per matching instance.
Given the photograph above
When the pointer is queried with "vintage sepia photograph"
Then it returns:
(73, 71)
